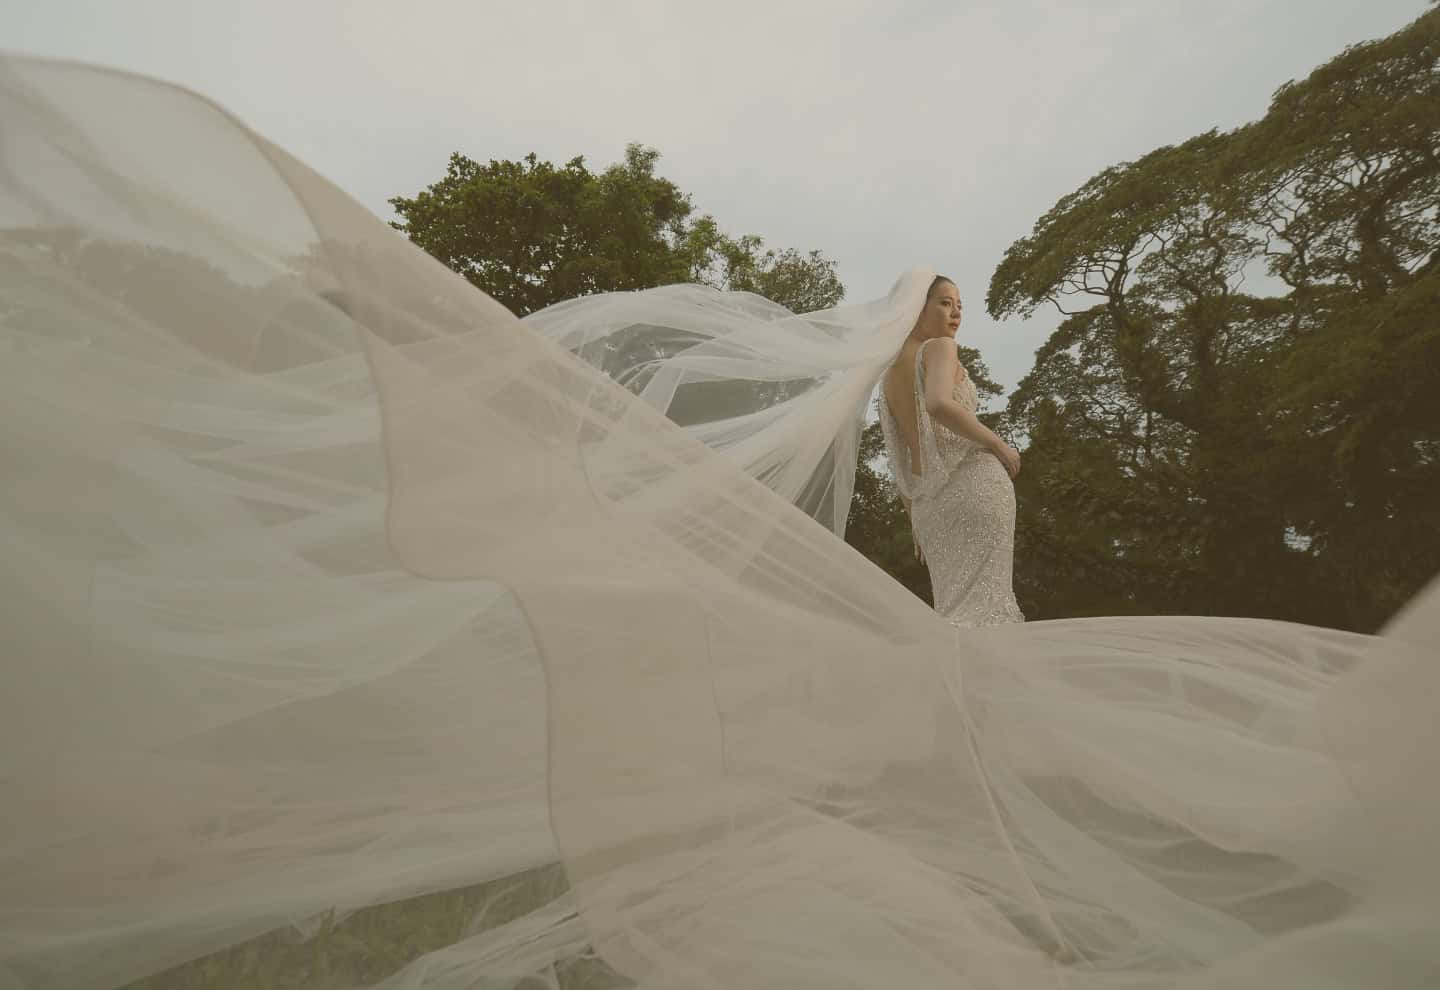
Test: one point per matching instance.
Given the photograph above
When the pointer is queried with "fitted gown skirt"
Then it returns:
(967, 533)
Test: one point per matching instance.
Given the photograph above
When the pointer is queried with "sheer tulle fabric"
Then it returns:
(782, 395)
(327, 582)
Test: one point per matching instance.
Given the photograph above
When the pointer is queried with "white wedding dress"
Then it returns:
(325, 583)
(962, 508)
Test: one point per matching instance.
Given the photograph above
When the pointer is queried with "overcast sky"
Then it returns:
(885, 134)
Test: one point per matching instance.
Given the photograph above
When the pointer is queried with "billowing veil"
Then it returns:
(328, 583)
(783, 395)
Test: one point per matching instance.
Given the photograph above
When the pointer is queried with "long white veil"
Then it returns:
(782, 394)
(328, 583)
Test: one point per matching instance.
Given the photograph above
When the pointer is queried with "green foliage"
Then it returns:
(1195, 447)
(376, 942)
(531, 234)
(802, 283)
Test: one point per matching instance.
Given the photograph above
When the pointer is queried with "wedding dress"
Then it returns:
(962, 506)
(326, 583)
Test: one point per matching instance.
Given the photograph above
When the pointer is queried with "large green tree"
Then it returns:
(1239, 413)
(531, 233)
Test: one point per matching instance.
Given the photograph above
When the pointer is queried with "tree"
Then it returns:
(531, 234)
(802, 283)
(1344, 180)
(1198, 447)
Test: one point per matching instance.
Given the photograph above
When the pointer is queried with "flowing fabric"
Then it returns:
(327, 582)
(783, 395)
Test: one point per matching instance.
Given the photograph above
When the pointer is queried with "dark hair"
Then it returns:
(938, 279)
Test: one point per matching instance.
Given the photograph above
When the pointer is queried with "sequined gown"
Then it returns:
(962, 510)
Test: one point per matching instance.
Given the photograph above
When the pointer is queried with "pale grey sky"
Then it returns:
(885, 134)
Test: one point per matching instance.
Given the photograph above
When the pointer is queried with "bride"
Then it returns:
(328, 584)
(947, 466)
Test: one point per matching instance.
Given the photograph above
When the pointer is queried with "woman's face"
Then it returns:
(942, 311)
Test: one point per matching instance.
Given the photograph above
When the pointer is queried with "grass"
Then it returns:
(377, 942)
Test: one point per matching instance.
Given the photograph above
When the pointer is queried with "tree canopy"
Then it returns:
(1240, 413)
(530, 233)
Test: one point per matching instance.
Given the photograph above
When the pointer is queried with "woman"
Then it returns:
(961, 502)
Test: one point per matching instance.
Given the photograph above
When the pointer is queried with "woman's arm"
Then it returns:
(940, 366)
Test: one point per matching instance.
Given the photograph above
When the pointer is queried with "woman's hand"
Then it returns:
(1009, 456)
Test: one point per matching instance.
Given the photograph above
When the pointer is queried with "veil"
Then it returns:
(329, 586)
(782, 395)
